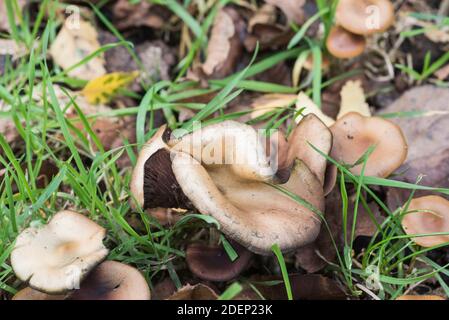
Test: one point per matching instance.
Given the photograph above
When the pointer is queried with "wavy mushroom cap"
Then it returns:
(212, 263)
(420, 297)
(354, 134)
(223, 172)
(113, 280)
(428, 214)
(343, 44)
(365, 17)
(56, 257)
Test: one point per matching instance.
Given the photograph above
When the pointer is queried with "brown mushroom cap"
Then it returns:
(429, 214)
(212, 263)
(29, 293)
(419, 297)
(354, 134)
(113, 280)
(56, 257)
(365, 17)
(344, 44)
(196, 292)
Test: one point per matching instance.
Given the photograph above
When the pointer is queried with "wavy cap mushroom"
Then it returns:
(212, 263)
(365, 17)
(113, 280)
(429, 214)
(56, 257)
(234, 192)
(344, 44)
(354, 134)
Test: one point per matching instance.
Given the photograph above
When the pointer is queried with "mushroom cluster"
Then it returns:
(227, 170)
(355, 20)
(64, 260)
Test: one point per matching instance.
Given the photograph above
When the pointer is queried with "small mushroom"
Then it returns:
(365, 17)
(429, 214)
(212, 263)
(55, 258)
(354, 134)
(344, 44)
(419, 297)
(113, 280)
(223, 172)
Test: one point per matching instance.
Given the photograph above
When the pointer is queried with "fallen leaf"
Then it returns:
(307, 106)
(266, 14)
(72, 45)
(293, 9)
(4, 22)
(224, 47)
(427, 134)
(442, 73)
(141, 14)
(101, 90)
(269, 102)
(353, 100)
(10, 47)
(195, 292)
(304, 287)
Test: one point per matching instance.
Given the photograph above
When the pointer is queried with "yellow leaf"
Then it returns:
(102, 89)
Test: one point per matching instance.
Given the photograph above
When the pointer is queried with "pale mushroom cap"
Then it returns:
(419, 297)
(311, 131)
(354, 134)
(344, 44)
(252, 212)
(229, 143)
(56, 257)
(432, 217)
(151, 146)
(365, 17)
(113, 280)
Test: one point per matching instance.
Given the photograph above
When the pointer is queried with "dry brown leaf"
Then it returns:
(293, 9)
(427, 134)
(308, 106)
(264, 15)
(142, 14)
(195, 292)
(269, 102)
(353, 100)
(224, 45)
(72, 45)
(442, 73)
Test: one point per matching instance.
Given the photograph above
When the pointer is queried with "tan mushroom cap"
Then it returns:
(365, 17)
(429, 214)
(113, 280)
(29, 293)
(56, 257)
(419, 297)
(252, 212)
(354, 134)
(196, 292)
(344, 44)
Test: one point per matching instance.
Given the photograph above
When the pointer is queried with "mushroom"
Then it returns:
(29, 293)
(113, 280)
(196, 292)
(344, 44)
(212, 263)
(429, 214)
(222, 171)
(354, 134)
(56, 257)
(421, 297)
(365, 17)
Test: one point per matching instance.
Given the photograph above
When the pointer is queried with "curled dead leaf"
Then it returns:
(75, 43)
(292, 9)
(141, 14)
